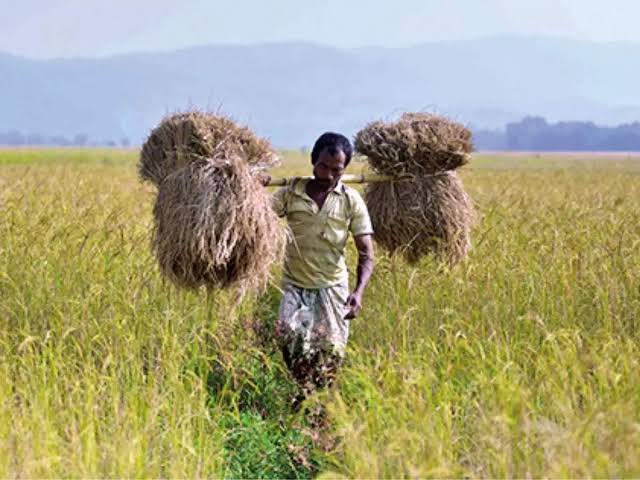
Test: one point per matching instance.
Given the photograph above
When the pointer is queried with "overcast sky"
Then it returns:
(65, 28)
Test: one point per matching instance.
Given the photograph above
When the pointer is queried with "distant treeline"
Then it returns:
(16, 138)
(529, 134)
(536, 134)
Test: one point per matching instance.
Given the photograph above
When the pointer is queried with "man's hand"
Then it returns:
(364, 244)
(354, 304)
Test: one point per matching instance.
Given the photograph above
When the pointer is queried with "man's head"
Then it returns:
(330, 156)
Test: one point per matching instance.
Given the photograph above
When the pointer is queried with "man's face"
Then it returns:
(329, 168)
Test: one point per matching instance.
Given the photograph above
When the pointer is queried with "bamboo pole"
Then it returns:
(351, 178)
(362, 177)
(348, 178)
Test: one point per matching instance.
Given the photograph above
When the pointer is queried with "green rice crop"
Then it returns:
(521, 362)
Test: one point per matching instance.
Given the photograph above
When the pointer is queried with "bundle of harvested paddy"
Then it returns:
(421, 216)
(214, 226)
(192, 137)
(429, 212)
(418, 143)
(213, 221)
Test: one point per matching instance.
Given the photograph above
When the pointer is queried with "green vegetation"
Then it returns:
(57, 156)
(524, 361)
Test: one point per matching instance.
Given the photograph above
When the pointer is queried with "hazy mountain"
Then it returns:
(291, 92)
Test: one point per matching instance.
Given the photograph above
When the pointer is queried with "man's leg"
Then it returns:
(312, 333)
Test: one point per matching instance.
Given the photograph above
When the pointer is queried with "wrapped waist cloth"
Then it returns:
(311, 321)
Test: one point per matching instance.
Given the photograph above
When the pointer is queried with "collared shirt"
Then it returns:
(315, 249)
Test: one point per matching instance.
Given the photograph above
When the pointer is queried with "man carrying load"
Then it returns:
(316, 309)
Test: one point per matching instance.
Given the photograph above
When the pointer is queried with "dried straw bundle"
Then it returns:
(194, 136)
(421, 216)
(430, 212)
(214, 226)
(418, 143)
(213, 221)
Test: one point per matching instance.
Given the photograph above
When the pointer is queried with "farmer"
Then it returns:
(316, 309)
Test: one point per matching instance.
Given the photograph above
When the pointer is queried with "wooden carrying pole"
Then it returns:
(359, 178)
(350, 178)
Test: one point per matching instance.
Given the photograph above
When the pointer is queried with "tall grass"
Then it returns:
(521, 362)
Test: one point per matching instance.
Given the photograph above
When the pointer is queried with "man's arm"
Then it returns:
(364, 244)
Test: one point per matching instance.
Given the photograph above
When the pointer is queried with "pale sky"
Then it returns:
(66, 28)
